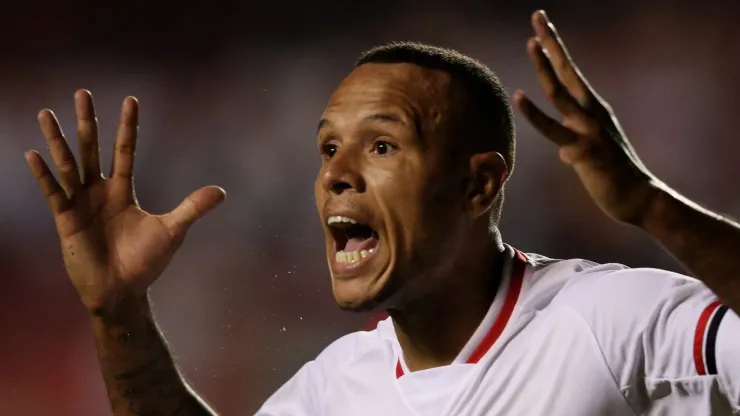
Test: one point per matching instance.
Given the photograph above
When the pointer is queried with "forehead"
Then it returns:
(403, 89)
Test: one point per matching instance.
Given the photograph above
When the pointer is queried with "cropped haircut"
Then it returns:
(487, 122)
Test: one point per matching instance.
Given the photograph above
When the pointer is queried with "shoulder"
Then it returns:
(585, 285)
(356, 345)
(614, 289)
(304, 392)
(618, 303)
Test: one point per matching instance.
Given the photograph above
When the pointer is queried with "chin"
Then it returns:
(366, 305)
(356, 296)
(362, 294)
(364, 285)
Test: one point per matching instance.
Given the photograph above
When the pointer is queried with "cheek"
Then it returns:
(319, 194)
(408, 212)
(413, 198)
(439, 208)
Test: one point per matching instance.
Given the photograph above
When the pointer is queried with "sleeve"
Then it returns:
(670, 343)
(303, 394)
(300, 396)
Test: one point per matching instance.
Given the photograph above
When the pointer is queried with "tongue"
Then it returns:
(359, 243)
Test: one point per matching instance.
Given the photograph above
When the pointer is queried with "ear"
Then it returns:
(488, 175)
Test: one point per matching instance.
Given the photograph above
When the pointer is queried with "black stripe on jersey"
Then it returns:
(709, 345)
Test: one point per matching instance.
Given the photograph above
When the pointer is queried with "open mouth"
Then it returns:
(353, 241)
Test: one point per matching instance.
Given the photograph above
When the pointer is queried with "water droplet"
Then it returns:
(283, 329)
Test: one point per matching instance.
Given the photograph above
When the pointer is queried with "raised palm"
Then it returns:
(112, 248)
(589, 137)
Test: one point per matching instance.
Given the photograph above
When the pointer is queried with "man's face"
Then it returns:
(387, 192)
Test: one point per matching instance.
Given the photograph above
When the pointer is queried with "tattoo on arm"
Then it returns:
(140, 374)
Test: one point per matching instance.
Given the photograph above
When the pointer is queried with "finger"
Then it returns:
(543, 123)
(64, 160)
(125, 147)
(54, 194)
(564, 67)
(554, 90)
(195, 206)
(87, 137)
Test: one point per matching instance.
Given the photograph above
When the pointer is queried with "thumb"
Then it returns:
(196, 205)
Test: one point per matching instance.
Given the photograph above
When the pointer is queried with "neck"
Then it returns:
(432, 331)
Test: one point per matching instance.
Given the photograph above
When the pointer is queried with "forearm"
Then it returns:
(705, 243)
(139, 371)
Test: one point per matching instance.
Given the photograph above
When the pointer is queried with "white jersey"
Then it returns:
(564, 338)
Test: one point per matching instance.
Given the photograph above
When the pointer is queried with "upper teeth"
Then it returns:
(338, 218)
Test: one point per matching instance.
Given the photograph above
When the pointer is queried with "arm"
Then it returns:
(113, 251)
(139, 372)
(591, 141)
(669, 335)
(705, 243)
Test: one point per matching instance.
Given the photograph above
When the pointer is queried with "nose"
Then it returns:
(343, 173)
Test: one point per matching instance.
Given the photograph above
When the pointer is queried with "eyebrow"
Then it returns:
(380, 117)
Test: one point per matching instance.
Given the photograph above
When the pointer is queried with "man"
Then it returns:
(417, 145)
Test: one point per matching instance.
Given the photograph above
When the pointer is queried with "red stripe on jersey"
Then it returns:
(515, 287)
(701, 328)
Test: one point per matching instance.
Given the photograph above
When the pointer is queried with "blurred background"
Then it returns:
(231, 92)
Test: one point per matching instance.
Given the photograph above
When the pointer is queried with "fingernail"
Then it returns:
(543, 16)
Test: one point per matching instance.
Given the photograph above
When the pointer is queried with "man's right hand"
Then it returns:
(113, 250)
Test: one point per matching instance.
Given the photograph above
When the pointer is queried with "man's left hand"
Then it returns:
(589, 138)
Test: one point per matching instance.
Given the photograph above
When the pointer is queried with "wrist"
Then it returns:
(657, 211)
(120, 307)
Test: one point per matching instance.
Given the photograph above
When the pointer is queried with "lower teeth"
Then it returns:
(352, 256)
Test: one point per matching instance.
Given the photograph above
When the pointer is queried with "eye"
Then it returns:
(382, 147)
(328, 150)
